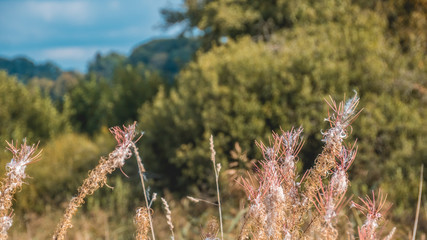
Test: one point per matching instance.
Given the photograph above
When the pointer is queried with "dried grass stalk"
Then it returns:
(141, 176)
(15, 175)
(217, 169)
(98, 176)
(168, 217)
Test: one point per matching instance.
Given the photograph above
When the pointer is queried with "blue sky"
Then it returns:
(71, 32)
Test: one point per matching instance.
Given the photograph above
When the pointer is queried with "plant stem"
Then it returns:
(219, 204)
(141, 171)
(217, 184)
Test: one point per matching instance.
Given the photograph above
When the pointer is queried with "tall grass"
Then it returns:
(98, 176)
(282, 202)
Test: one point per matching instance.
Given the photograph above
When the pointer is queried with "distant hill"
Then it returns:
(167, 56)
(26, 69)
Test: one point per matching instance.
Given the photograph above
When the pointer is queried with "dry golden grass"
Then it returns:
(98, 176)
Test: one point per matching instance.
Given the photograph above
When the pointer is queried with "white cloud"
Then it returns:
(78, 12)
(68, 53)
(75, 52)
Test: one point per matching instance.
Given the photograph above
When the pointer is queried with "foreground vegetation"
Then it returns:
(282, 203)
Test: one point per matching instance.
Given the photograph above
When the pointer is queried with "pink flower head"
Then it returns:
(327, 204)
(124, 137)
(25, 154)
(374, 210)
(344, 113)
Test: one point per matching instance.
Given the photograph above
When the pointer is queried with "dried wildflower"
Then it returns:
(341, 118)
(15, 175)
(279, 203)
(98, 176)
(273, 192)
(142, 223)
(328, 203)
(339, 179)
(374, 210)
(168, 217)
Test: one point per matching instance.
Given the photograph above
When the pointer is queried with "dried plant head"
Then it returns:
(283, 146)
(339, 179)
(374, 209)
(340, 119)
(273, 190)
(124, 136)
(98, 176)
(168, 217)
(142, 223)
(343, 113)
(347, 156)
(269, 176)
(278, 166)
(14, 178)
(328, 204)
(217, 169)
(292, 141)
(212, 148)
(25, 154)
(210, 231)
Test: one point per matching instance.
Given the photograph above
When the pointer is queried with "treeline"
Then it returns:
(262, 66)
(25, 69)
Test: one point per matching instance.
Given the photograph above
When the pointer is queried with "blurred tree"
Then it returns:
(26, 113)
(241, 90)
(55, 88)
(89, 104)
(97, 102)
(230, 18)
(166, 56)
(104, 66)
(219, 20)
(25, 69)
(131, 87)
(406, 19)
(44, 85)
(64, 83)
